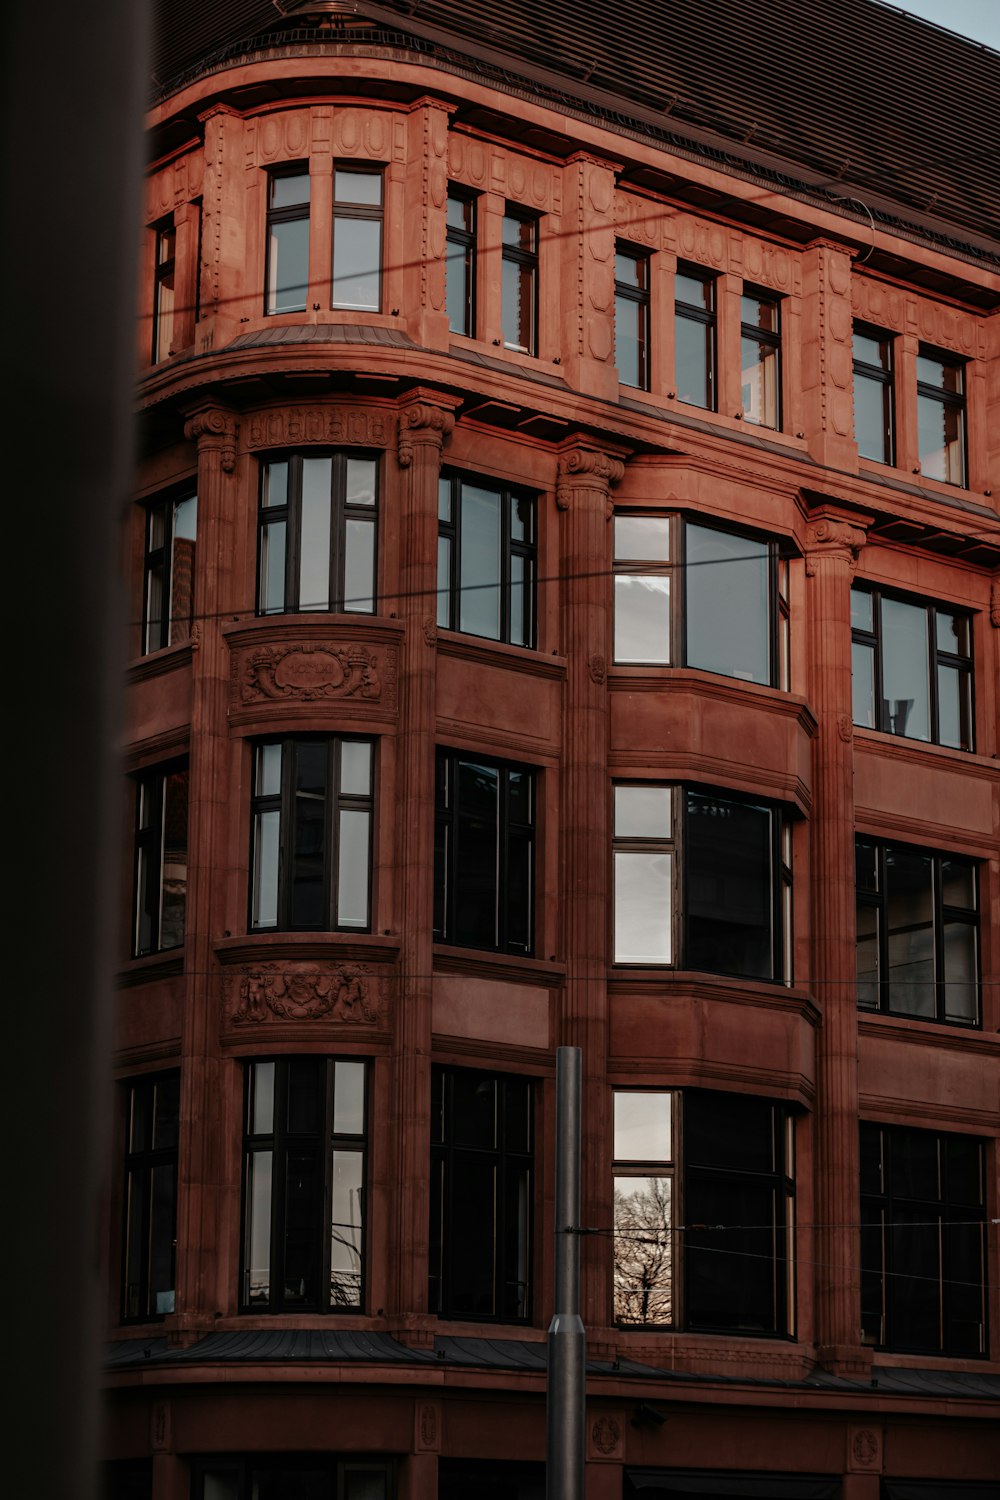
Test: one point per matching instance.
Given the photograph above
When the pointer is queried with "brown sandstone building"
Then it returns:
(565, 586)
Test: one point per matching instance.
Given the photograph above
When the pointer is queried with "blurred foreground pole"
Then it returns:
(567, 1342)
(74, 81)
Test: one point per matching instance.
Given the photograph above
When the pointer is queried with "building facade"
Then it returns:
(564, 584)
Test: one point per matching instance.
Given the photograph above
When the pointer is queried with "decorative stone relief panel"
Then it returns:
(765, 264)
(287, 427)
(349, 993)
(314, 671)
(435, 193)
(883, 306)
(468, 161)
(641, 220)
(605, 1438)
(281, 136)
(934, 323)
(375, 133)
(536, 184)
(705, 244)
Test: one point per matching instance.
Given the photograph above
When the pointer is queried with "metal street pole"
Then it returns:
(567, 1341)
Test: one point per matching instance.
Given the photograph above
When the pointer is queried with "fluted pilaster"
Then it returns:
(424, 426)
(832, 547)
(586, 477)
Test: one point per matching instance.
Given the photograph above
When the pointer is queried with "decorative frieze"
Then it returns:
(287, 427)
(314, 671)
(349, 993)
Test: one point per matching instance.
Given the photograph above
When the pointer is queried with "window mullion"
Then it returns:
(279, 1152)
(337, 575)
(286, 833)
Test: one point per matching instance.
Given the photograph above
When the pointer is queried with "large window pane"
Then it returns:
(352, 893)
(905, 670)
(346, 1229)
(642, 618)
(728, 887)
(357, 259)
(479, 605)
(910, 932)
(642, 812)
(642, 907)
(694, 354)
(314, 566)
(642, 1126)
(288, 266)
(728, 614)
(643, 1268)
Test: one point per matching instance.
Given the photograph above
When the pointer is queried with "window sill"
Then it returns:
(258, 947)
(151, 966)
(167, 659)
(500, 654)
(492, 965)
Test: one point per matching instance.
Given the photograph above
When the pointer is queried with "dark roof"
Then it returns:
(858, 95)
(342, 1346)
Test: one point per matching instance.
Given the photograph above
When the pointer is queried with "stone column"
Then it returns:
(426, 189)
(425, 421)
(587, 255)
(586, 475)
(202, 1136)
(833, 543)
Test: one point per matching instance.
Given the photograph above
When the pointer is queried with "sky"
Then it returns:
(979, 19)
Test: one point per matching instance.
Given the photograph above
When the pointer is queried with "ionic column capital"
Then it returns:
(425, 419)
(582, 467)
(833, 538)
(214, 428)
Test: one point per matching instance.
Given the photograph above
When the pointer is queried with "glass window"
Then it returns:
(169, 572)
(164, 283)
(486, 560)
(317, 525)
(736, 1176)
(311, 818)
(357, 238)
(482, 1157)
(632, 316)
(519, 291)
(941, 416)
(694, 337)
(287, 281)
(311, 1476)
(484, 853)
(874, 395)
(304, 1185)
(760, 351)
(917, 933)
(460, 261)
(150, 1238)
(912, 668)
(160, 859)
(700, 880)
(727, 603)
(923, 1241)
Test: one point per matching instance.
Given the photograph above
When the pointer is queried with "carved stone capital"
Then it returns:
(838, 540)
(214, 427)
(995, 603)
(423, 423)
(587, 468)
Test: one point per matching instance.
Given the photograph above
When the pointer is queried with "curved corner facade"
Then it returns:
(564, 579)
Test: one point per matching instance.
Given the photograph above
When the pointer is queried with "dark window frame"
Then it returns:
(450, 531)
(677, 844)
(139, 1166)
(708, 318)
(149, 854)
(335, 802)
(884, 376)
(292, 213)
(676, 570)
(942, 913)
(157, 633)
(466, 241)
(766, 339)
(448, 875)
(346, 208)
(245, 1468)
(503, 1160)
(936, 659)
(321, 1143)
(528, 261)
(688, 1241)
(884, 1208)
(955, 401)
(289, 515)
(639, 297)
(164, 269)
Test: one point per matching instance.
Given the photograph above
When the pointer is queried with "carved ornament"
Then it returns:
(586, 468)
(606, 1435)
(995, 603)
(598, 669)
(309, 672)
(212, 427)
(348, 994)
(430, 631)
(866, 1448)
(845, 728)
(290, 426)
(427, 1426)
(422, 422)
(840, 540)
